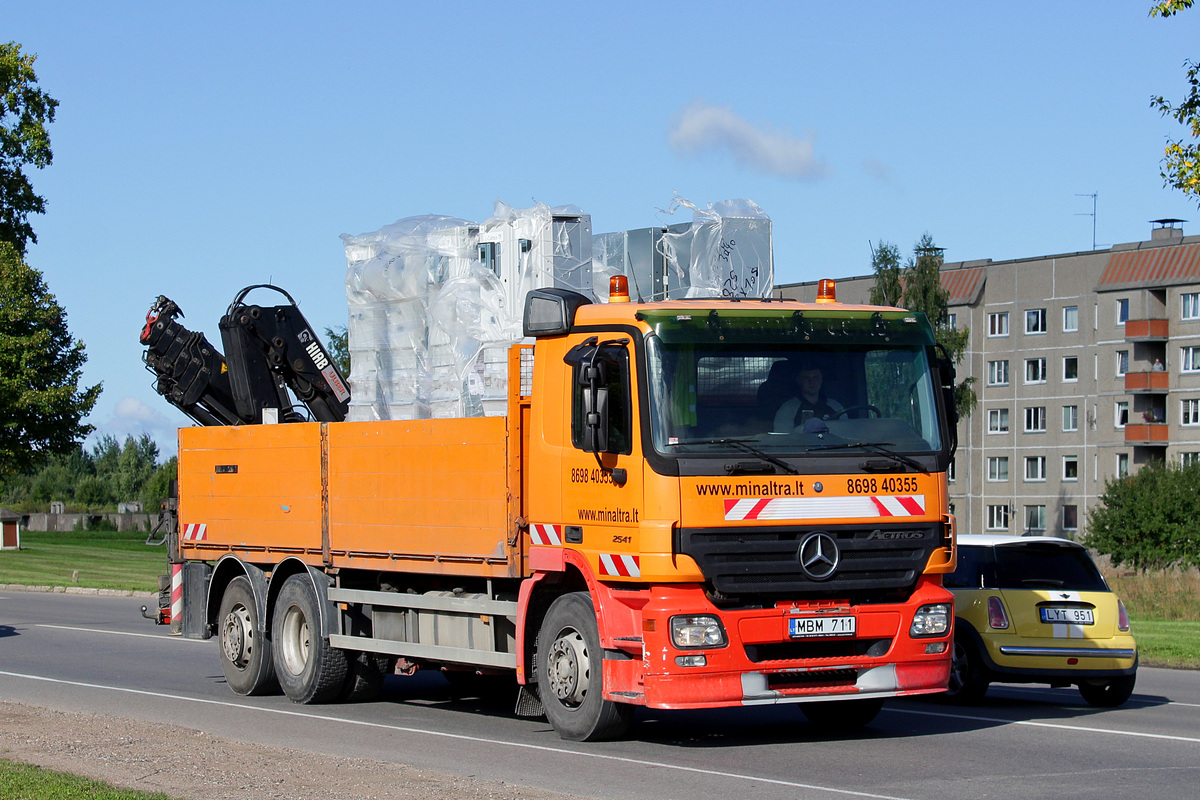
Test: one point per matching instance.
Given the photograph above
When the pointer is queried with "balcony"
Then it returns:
(1152, 434)
(1150, 382)
(1146, 330)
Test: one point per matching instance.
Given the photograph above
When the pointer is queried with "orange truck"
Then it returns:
(649, 525)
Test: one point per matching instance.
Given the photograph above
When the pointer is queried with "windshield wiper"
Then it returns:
(875, 447)
(741, 444)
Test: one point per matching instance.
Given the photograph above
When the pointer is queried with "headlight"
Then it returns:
(931, 620)
(699, 631)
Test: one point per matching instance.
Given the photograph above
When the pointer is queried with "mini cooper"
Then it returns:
(1035, 609)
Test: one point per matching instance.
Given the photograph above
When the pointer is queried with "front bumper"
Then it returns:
(761, 664)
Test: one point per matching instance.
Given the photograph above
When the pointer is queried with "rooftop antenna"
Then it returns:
(1092, 215)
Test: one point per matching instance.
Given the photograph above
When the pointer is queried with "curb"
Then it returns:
(17, 587)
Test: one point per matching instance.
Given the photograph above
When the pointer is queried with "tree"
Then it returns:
(885, 262)
(918, 287)
(1181, 159)
(25, 110)
(339, 348)
(41, 403)
(1148, 520)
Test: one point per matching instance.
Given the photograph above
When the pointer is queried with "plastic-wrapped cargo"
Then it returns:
(435, 302)
(725, 251)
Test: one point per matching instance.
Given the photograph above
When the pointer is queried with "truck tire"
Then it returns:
(245, 651)
(570, 674)
(364, 677)
(842, 716)
(309, 670)
(1110, 693)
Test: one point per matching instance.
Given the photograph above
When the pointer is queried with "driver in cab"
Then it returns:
(808, 402)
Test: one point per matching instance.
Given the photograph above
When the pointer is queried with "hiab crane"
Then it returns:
(268, 351)
(638, 529)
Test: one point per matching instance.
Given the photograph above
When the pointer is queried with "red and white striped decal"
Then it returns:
(912, 505)
(195, 532)
(619, 566)
(545, 534)
(176, 593)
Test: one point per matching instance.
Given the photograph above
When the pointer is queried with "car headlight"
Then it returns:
(700, 631)
(931, 620)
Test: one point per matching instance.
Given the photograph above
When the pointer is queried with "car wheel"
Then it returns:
(968, 677)
(1108, 694)
(245, 650)
(309, 670)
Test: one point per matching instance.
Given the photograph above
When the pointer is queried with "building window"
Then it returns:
(1190, 361)
(1035, 370)
(997, 420)
(1189, 412)
(951, 470)
(1035, 320)
(1191, 305)
(1122, 362)
(1070, 468)
(998, 468)
(1188, 459)
(1122, 465)
(998, 373)
(1035, 468)
(1122, 311)
(1035, 518)
(1070, 418)
(1070, 368)
(1070, 518)
(1070, 319)
(1035, 419)
(951, 320)
(997, 518)
(1121, 418)
(998, 324)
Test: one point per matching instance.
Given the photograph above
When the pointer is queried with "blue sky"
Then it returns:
(203, 147)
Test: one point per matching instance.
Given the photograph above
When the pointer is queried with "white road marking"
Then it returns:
(1132, 701)
(461, 737)
(1058, 725)
(124, 633)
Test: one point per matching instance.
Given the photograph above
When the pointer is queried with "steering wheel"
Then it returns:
(870, 409)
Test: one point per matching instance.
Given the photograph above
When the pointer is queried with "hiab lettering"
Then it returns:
(751, 489)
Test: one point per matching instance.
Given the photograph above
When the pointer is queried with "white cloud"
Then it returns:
(132, 417)
(700, 127)
(879, 171)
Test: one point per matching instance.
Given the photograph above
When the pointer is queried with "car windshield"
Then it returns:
(853, 384)
(1047, 566)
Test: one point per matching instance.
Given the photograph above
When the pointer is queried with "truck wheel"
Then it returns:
(570, 674)
(842, 716)
(309, 670)
(245, 651)
(968, 680)
(364, 677)
(1108, 694)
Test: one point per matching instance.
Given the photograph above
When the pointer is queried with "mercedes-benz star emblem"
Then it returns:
(819, 556)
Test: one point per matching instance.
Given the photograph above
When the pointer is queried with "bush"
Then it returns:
(1148, 520)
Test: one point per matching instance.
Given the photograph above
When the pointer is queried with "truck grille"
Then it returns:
(766, 561)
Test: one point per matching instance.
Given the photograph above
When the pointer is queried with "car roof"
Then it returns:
(994, 539)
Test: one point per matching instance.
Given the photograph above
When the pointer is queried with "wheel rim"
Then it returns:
(568, 668)
(237, 636)
(295, 644)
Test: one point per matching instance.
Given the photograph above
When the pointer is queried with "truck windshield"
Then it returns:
(788, 386)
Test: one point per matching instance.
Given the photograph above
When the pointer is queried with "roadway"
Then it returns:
(97, 655)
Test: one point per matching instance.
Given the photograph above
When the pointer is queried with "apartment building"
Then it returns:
(1087, 367)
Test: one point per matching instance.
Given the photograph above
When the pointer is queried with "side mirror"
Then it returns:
(595, 419)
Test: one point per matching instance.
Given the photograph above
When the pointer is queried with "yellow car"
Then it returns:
(1034, 609)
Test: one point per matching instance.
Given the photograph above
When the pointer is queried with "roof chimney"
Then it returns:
(1165, 229)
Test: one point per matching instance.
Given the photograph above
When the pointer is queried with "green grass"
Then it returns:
(1164, 643)
(105, 560)
(25, 782)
